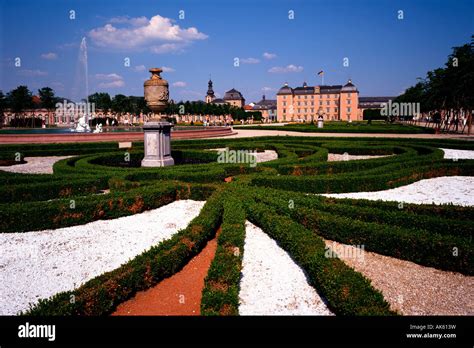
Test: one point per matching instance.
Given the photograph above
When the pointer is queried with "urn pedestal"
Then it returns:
(157, 133)
(157, 144)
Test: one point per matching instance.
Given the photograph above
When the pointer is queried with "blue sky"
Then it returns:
(385, 53)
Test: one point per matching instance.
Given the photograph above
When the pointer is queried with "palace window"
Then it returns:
(327, 103)
(348, 101)
(349, 109)
(327, 109)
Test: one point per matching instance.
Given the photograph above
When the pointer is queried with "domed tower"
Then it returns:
(210, 93)
(285, 107)
(349, 102)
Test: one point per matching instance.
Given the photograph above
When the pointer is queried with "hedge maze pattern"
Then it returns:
(102, 182)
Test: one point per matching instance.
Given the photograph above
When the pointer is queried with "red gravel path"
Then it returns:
(178, 295)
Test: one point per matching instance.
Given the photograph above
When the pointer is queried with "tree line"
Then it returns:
(447, 92)
(20, 99)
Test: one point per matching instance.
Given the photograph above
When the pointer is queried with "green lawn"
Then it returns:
(344, 127)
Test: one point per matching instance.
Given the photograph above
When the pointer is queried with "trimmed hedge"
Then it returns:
(413, 244)
(421, 233)
(52, 190)
(220, 295)
(352, 183)
(22, 217)
(409, 216)
(347, 292)
(102, 295)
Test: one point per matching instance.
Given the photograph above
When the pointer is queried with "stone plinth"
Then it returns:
(157, 144)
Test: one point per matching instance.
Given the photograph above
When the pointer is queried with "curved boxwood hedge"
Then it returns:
(420, 233)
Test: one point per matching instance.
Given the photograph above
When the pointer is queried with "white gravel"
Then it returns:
(36, 265)
(458, 154)
(335, 157)
(265, 156)
(35, 165)
(272, 284)
(457, 190)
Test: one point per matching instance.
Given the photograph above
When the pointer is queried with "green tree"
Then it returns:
(448, 88)
(101, 101)
(19, 99)
(120, 104)
(48, 99)
(3, 106)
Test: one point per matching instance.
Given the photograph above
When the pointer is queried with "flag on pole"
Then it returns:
(321, 73)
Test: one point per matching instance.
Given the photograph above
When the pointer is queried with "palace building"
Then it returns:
(307, 103)
(268, 108)
(232, 97)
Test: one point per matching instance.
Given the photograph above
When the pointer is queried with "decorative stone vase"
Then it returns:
(156, 91)
(157, 133)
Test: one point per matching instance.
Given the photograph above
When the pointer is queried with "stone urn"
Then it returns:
(156, 92)
(157, 139)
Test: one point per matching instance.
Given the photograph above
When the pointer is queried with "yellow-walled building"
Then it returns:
(307, 103)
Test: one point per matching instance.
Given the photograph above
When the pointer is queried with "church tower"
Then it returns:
(210, 93)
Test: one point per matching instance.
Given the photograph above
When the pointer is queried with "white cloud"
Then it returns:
(179, 84)
(250, 61)
(268, 89)
(110, 80)
(157, 34)
(139, 68)
(267, 55)
(49, 56)
(168, 48)
(108, 77)
(286, 69)
(136, 22)
(112, 84)
(32, 73)
(167, 69)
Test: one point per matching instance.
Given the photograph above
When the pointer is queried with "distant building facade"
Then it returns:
(268, 108)
(232, 97)
(366, 103)
(307, 103)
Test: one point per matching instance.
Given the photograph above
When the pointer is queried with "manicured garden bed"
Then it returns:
(281, 197)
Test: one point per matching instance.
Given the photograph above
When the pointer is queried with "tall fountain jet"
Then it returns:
(82, 78)
(84, 60)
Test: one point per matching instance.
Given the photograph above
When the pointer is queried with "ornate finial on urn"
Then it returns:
(156, 91)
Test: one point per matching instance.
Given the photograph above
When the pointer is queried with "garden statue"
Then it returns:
(82, 126)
